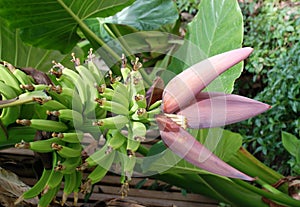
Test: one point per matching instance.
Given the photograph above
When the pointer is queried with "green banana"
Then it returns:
(37, 188)
(91, 92)
(79, 176)
(97, 158)
(54, 180)
(68, 116)
(66, 82)
(9, 114)
(34, 87)
(115, 122)
(70, 181)
(121, 89)
(9, 79)
(94, 69)
(155, 105)
(22, 77)
(42, 146)
(44, 125)
(79, 83)
(72, 150)
(69, 165)
(55, 177)
(112, 106)
(136, 133)
(3, 134)
(73, 99)
(129, 164)
(60, 98)
(28, 97)
(47, 197)
(136, 84)
(21, 133)
(53, 105)
(25, 108)
(115, 139)
(141, 115)
(125, 71)
(71, 137)
(16, 135)
(98, 173)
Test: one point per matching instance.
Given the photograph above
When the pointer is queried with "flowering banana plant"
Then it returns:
(186, 105)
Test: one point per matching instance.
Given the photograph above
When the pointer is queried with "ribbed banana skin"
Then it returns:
(115, 139)
(72, 150)
(8, 114)
(70, 137)
(22, 77)
(9, 79)
(44, 125)
(37, 188)
(46, 198)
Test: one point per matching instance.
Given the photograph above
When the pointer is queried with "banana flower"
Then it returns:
(185, 105)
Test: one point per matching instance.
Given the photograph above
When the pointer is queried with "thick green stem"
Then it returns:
(88, 32)
(116, 33)
(274, 194)
(248, 164)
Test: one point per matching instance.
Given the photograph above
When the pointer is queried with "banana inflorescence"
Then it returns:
(52, 117)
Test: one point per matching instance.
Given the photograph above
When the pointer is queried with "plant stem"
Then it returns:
(88, 32)
(274, 194)
(116, 33)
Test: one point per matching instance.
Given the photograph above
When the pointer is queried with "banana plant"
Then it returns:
(59, 107)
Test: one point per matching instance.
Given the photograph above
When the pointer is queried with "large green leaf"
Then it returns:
(218, 27)
(154, 15)
(52, 24)
(147, 15)
(14, 51)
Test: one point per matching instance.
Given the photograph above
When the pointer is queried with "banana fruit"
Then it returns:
(63, 109)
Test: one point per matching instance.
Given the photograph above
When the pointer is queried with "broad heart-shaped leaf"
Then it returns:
(53, 24)
(218, 27)
(147, 15)
(152, 15)
(19, 54)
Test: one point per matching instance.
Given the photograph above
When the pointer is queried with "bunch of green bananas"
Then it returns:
(56, 116)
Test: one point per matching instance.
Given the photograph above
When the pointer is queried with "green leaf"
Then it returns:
(19, 54)
(290, 143)
(52, 24)
(154, 16)
(147, 15)
(218, 27)
(222, 143)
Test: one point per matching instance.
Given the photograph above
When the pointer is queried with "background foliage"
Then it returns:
(272, 75)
